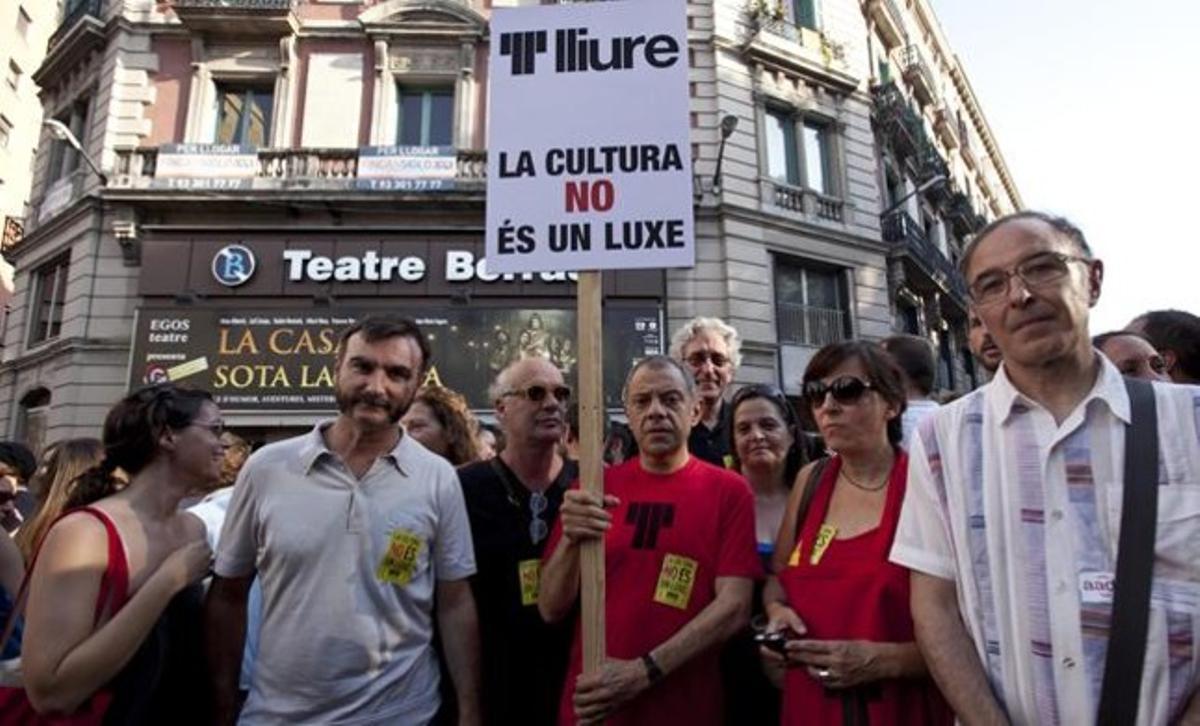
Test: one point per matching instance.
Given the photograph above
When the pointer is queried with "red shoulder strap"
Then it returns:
(114, 586)
(115, 578)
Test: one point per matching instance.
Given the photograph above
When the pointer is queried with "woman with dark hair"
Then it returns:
(766, 448)
(55, 486)
(842, 607)
(440, 419)
(105, 573)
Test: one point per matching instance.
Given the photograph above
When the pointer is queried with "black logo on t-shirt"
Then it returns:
(647, 518)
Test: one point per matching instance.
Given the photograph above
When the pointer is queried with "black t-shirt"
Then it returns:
(712, 445)
(524, 660)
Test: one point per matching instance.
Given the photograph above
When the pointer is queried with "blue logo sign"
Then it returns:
(233, 265)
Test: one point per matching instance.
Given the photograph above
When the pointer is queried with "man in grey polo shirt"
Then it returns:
(355, 532)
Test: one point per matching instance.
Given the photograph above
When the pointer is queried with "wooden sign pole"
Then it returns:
(591, 461)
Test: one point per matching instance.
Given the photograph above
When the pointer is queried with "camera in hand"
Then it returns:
(775, 641)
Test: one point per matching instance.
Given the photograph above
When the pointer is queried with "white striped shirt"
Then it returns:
(1023, 514)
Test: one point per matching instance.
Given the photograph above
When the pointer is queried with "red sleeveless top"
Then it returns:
(855, 593)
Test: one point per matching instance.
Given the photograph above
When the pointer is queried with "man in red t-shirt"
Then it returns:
(680, 561)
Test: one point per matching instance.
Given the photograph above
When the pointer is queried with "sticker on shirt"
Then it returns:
(529, 574)
(400, 560)
(824, 539)
(1097, 588)
(675, 581)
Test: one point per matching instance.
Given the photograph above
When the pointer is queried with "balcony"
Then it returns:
(889, 21)
(80, 32)
(808, 202)
(295, 171)
(245, 17)
(909, 241)
(946, 127)
(918, 74)
(904, 132)
(962, 215)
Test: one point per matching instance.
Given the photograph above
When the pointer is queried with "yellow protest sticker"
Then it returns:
(794, 560)
(400, 560)
(824, 539)
(675, 581)
(529, 574)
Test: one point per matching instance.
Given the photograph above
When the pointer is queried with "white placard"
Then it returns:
(589, 155)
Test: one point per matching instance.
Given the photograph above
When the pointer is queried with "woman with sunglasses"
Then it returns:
(843, 608)
(104, 574)
(766, 448)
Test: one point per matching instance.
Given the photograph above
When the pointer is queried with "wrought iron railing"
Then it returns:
(906, 236)
(72, 14)
(904, 131)
(810, 325)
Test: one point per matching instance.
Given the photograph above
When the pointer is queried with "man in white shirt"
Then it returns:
(1013, 507)
(914, 355)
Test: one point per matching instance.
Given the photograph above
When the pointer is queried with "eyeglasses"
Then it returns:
(1038, 270)
(537, 393)
(846, 389)
(538, 528)
(700, 357)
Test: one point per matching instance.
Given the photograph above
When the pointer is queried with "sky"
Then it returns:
(1096, 110)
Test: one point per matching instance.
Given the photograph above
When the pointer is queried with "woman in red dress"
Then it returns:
(850, 651)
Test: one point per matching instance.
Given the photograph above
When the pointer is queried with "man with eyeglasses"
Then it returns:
(711, 350)
(512, 502)
(359, 538)
(680, 562)
(1012, 518)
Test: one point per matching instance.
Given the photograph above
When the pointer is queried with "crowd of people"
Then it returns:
(872, 555)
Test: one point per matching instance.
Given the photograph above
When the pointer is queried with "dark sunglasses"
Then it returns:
(701, 357)
(538, 393)
(846, 389)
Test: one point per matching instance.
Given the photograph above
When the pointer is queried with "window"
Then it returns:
(14, 74)
(425, 116)
(63, 158)
(5, 132)
(782, 163)
(800, 162)
(31, 423)
(50, 292)
(23, 21)
(908, 318)
(816, 157)
(804, 13)
(244, 114)
(945, 372)
(811, 304)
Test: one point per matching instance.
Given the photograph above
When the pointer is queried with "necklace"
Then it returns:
(875, 488)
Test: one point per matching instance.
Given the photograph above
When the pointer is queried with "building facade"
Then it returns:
(251, 203)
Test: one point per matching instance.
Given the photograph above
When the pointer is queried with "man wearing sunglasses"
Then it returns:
(1012, 515)
(680, 560)
(512, 502)
(711, 350)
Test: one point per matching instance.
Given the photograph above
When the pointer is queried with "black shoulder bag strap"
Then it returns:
(1135, 563)
(810, 489)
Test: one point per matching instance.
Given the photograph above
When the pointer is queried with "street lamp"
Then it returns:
(60, 131)
(924, 186)
(728, 124)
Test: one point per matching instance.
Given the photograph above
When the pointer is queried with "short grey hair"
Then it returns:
(660, 362)
(1061, 226)
(698, 325)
